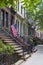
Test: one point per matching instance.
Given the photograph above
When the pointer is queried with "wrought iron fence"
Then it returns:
(6, 59)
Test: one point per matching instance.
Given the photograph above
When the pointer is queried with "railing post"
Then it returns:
(24, 55)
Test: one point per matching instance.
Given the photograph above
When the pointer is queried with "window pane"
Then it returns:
(17, 5)
(12, 19)
(17, 22)
(2, 17)
(21, 9)
(6, 19)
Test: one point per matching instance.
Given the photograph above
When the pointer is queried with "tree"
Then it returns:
(36, 14)
(34, 8)
(8, 3)
(39, 15)
(30, 4)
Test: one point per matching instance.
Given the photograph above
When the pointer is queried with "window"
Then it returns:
(12, 19)
(24, 12)
(21, 9)
(0, 14)
(17, 22)
(2, 17)
(21, 28)
(6, 19)
(17, 6)
(24, 29)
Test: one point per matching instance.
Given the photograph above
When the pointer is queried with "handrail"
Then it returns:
(22, 45)
(22, 41)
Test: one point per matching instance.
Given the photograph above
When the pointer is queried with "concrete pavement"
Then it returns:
(36, 58)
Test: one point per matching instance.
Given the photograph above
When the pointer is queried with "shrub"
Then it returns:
(6, 48)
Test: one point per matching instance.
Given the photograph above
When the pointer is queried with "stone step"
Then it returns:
(21, 54)
(16, 46)
(26, 56)
(2, 33)
(19, 62)
(6, 36)
(8, 41)
(13, 43)
(19, 51)
(19, 48)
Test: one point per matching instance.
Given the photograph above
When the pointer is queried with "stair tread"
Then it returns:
(14, 44)
(22, 53)
(8, 41)
(2, 33)
(18, 48)
(27, 56)
(18, 62)
(19, 51)
(5, 37)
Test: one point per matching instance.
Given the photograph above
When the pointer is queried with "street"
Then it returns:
(36, 58)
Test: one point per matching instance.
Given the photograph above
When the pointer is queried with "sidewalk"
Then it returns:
(36, 58)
